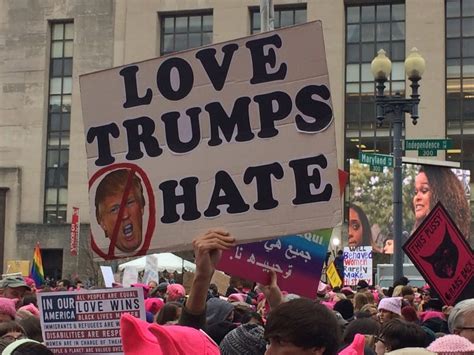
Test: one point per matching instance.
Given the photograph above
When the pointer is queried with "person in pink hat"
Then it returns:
(390, 308)
(452, 345)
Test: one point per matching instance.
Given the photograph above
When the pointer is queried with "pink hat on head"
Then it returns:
(356, 347)
(175, 292)
(31, 309)
(451, 344)
(391, 304)
(154, 305)
(140, 337)
(145, 288)
(237, 297)
(7, 306)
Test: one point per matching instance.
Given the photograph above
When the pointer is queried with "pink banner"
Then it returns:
(75, 231)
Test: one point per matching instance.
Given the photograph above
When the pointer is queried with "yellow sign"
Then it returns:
(333, 276)
(14, 266)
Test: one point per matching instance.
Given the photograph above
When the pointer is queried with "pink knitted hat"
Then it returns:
(145, 288)
(154, 305)
(175, 292)
(140, 337)
(356, 347)
(237, 297)
(7, 306)
(31, 309)
(391, 304)
(451, 344)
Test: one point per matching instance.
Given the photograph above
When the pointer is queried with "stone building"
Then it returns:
(46, 44)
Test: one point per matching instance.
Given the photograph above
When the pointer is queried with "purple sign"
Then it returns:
(297, 261)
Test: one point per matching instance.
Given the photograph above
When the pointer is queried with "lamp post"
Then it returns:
(397, 106)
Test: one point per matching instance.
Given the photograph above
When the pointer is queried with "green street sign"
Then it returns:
(376, 160)
(428, 144)
(376, 168)
(427, 152)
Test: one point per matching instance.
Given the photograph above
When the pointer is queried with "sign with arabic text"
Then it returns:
(297, 261)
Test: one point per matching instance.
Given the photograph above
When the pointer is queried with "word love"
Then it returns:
(175, 81)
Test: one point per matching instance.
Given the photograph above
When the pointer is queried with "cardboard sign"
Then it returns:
(87, 322)
(151, 269)
(130, 276)
(21, 267)
(333, 276)
(358, 265)
(238, 134)
(75, 231)
(442, 255)
(297, 261)
(108, 275)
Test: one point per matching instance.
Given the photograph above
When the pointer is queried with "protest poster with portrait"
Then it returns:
(371, 201)
(238, 134)
(441, 254)
(87, 322)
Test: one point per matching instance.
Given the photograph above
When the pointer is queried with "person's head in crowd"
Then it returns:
(108, 199)
(433, 184)
(7, 309)
(11, 330)
(359, 227)
(409, 314)
(64, 283)
(362, 286)
(32, 328)
(27, 311)
(452, 344)
(139, 337)
(370, 311)
(397, 334)
(434, 304)
(24, 347)
(214, 290)
(338, 296)
(218, 311)
(408, 294)
(175, 293)
(302, 327)
(13, 287)
(345, 308)
(370, 297)
(154, 305)
(169, 313)
(252, 318)
(160, 290)
(366, 326)
(241, 309)
(397, 291)
(29, 298)
(360, 300)
(245, 339)
(152, 284)
(389, 308)
(461, 319)
(347, 291)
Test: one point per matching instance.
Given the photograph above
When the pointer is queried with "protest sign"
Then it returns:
(333, 276)
(238, 134)
(18, 266)
(75, 231)
(441, 254)
(297, 261)
(358, 265)
(130, 276)
(108, 275)
(87, 322)
(151, 269)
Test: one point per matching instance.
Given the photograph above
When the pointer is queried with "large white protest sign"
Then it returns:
(151, 269)
(358, 265)
(237, 135)
(87, 322)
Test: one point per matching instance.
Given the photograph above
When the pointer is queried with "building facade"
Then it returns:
(45, 45)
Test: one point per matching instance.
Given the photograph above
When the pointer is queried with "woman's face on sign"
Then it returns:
(355, 229)
(422, 197)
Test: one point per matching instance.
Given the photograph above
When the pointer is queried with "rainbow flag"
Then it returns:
(36, 272)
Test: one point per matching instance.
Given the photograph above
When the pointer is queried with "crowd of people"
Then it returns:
(262, 319)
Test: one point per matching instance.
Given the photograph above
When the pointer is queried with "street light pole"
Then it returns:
(397, 106)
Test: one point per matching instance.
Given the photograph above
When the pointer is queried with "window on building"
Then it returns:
(287, 15)
(370, 28)
(180, 32)
(460, 81)
(59, 117)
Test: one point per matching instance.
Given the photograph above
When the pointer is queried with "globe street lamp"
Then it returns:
(397, 106)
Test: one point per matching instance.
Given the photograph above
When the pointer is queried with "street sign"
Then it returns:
(428, 144)
(376, 161)
(427, 152)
